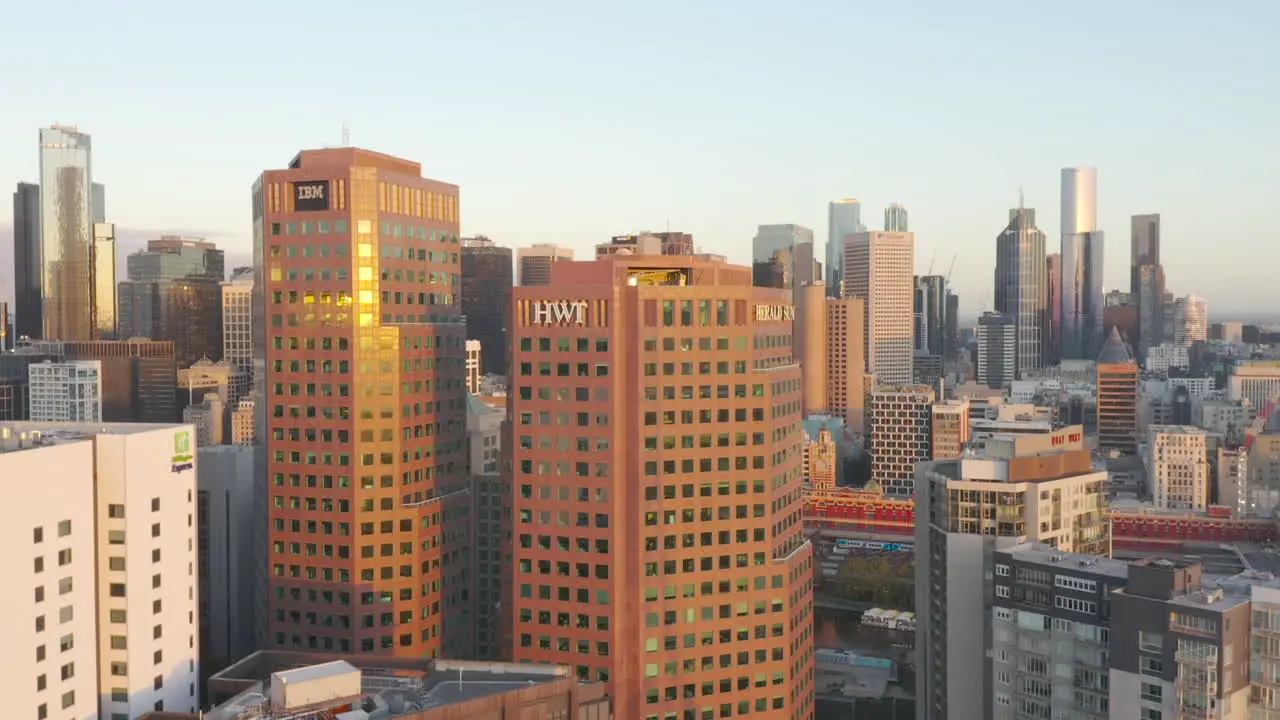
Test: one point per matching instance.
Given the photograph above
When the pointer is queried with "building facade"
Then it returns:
(174, 292)
(949, 429)
(1178, 476)
(878, 268)
(237, 319)
(1082, 260)
(65, 391)
(656, 474)
(1051, 630)
(486, 301)
(364, 417)
(846, 364)
(28, 273)
(782, 256)
(895, 218)
(931, 314)
(1190, 320)
(899, 436)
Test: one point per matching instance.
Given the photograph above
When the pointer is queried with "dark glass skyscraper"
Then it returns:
(931, 313)
(486, 300)
(28, 308)
(1146, 281)
(1022, 287)
(1082, 256)
(174, 292)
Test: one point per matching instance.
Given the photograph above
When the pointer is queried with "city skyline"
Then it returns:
(738, 169)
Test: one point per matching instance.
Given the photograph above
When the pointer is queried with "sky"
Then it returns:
(570, 121)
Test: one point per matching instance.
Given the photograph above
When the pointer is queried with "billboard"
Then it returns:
(311, 196)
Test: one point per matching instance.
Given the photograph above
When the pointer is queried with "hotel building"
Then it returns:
(657, 475)
(364, 405)
(99, 620)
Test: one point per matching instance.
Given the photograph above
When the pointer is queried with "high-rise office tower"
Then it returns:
(361, 342)
(846, 360)
(969, 508)
(899, 435)
(844, 218)
(174, 292)
(68, 282)
(1082, 258)
(1146, 281)
(1022, 287)
(931, 313)
(1190, 320)
(631, 503)
(810, 344)
(28, 298)
(486, 300)
(878, 269)
(533, 264)
(895, 218)
(997, 349)
(1053, 311)
(952, 325)
(1117, 396)
(782, 256)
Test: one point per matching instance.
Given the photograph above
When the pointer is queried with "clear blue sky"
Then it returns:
(570, 121)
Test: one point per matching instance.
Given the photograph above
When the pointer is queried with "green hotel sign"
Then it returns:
(182, 459)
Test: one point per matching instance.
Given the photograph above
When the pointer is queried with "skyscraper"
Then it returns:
(28, 298)
(895, 218)
(361, 350)
(844, 218)
(1053, 312)
(997, 349)
(67, 282)
(486, 300)
(1082, 257)
(1146, 281)
(104, 280)
(1190, 320)
(931, 325)
(1117, 396)
(533, 264)
(878, 269)
(1022, 288)
(782, 257)
(626, 539)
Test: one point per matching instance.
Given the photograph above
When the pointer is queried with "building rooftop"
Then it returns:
(1114, 351)
(1050, 556)
(16, 436)
(389, 687)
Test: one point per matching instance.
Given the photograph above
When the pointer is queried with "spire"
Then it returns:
(1114, 351)
(1021, 205)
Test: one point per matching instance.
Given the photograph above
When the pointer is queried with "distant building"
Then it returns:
(474, 352)
(1178, 476)
(237, 320)
(844, 218)
(1022, 286)
(1190, 320)
(175, 292)
(533, 264)
(65, 391)
(878, 269)
(949, 427)
(895, 218)
(997, 350)
(846, 367)
(1117, 397)
(782, 256)
(1082, 265)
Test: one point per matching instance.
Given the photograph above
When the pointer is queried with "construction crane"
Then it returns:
(931, 261)
(950, 267)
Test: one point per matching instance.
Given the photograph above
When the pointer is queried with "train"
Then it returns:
(847, 544)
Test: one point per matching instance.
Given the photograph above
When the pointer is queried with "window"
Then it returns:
(115, 511)
(1002, 591)
(1151, 692)
(1074, 605)
(64, 528)
(68, 699)
(1002, 570)
(1072, 583)
(66, 614)
(1152, 642)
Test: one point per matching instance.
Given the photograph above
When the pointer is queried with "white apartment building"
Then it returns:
(473, 366)
(65, 391)
(967, 509)
(100, 617)
(1163, 357)
(1178, 467)
(237, 319)
(879, 268)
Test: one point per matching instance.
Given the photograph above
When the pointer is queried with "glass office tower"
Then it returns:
(66, 239)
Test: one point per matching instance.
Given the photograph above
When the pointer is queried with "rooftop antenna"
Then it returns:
(1020, 205)
(346, 135)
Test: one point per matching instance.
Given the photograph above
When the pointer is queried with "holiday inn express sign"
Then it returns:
(182, 456)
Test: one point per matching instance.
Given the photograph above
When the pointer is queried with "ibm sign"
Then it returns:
(559, 312)
(311, 196)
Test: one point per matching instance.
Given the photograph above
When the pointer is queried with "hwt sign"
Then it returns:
(560, 312)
